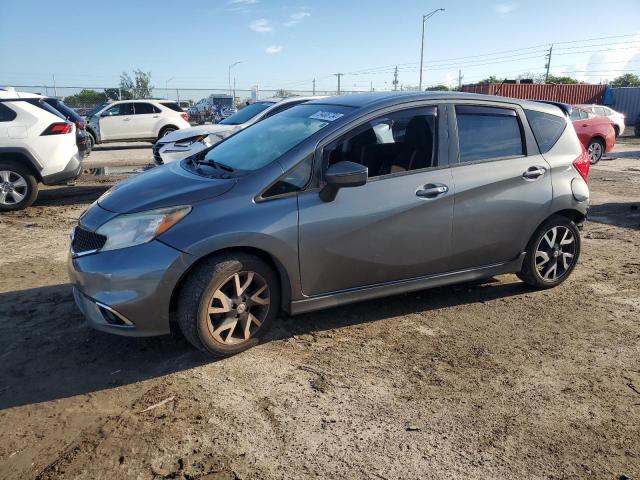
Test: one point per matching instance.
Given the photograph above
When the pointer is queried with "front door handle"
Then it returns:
(431, 190)
(534, 172)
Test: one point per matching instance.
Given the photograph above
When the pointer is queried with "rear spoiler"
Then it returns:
(565, 107)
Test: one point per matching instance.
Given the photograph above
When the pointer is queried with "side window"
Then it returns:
(546, 128)
(392, 143)
(144, 108)
(601, 111)
(488, 132)
(121, 109)
(6, 114)
(293, 181)
(172, 105)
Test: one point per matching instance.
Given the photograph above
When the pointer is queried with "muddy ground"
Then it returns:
(489, 380)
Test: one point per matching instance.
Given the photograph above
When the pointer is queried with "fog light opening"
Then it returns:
(112, 317)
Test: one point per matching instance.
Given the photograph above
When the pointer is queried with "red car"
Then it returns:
(596, 133)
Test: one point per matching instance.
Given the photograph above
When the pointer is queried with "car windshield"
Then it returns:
(95, 110)
(264, 142)
(246, 114)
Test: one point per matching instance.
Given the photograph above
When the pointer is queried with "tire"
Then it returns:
(91, 143)
(595, 150)
(539, 273)
(18, 187)
(616, 129)
(166, 131)
(206, 288)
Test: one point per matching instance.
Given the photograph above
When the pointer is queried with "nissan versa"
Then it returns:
(334, 201)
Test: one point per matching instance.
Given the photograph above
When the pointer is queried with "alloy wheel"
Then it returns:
(595, 152)
(238, 307)
(13, 187)
(555, 253)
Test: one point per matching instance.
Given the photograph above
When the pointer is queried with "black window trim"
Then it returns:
(12, 112)
(261, 198)
(456, 138)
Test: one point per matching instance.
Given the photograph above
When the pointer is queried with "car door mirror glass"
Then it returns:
(342, 175)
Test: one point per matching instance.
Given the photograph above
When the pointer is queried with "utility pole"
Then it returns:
(548, 57)
(460, 77)
(233, 99)
(55, 90)
(372, 85)
(424, 20)
(395, 79)
(339, 75)
(231, 65)
(314, 87)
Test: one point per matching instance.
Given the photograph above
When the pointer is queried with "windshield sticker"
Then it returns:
(326, 116)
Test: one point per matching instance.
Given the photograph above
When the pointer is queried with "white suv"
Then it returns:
(188, 142)
(37, 144)
(135, 120)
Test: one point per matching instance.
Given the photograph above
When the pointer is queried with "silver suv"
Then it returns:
(334, 201)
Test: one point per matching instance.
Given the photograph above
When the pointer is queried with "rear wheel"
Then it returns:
(552, 253)
(18, 187)
(166, 131)
(228, 303)
(595, 149)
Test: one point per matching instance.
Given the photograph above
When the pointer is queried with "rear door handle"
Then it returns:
(126, 119)
(534, 172)
(431, 190)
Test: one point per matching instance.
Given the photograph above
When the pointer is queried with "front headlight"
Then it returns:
(137, 228)
(187, 142)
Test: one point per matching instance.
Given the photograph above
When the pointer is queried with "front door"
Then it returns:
(502, 186)
(115, 122)
(398, 225)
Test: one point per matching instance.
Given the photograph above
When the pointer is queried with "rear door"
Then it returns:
(115, 122)
(502, 185)
(398, 225)
(145, 118)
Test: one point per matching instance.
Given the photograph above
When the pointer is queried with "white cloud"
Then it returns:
(242, 2)
(504, 9)
(296, 18)
(261, 26)
(273, 49)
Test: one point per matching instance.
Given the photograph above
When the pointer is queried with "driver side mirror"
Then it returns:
(342, 175)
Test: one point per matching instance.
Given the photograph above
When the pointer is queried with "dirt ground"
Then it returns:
(486, 380)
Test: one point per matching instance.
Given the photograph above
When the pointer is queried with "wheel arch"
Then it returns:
(21, 158)
(164, 127)
(271, 260)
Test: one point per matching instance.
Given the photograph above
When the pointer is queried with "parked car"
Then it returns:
(37, 145)
(329, 202)
(82, 137)
(616, 117)
(190, 141)
(135, 120)
(596, 133)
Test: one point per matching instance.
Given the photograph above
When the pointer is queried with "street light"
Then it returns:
(424, 20)
(230, 67)
(166, 86)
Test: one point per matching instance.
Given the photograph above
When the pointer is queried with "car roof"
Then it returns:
(11, 93)
(372, 100)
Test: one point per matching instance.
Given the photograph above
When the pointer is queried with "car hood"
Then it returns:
(183, 133)
(166, 186)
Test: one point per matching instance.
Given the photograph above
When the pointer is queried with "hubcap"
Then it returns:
(595, 152)
(238, 307)
(13, 187)
(555, 253)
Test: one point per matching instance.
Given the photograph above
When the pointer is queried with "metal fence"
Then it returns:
(192, 95)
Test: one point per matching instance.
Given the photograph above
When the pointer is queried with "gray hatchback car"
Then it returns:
(334, 201)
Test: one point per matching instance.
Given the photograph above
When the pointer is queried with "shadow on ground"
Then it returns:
(72, 195)
(625, 215)
(48, 352)
(108, 148)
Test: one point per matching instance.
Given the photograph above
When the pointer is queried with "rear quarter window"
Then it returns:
(173, 106)
(547, 128)
(6, 113)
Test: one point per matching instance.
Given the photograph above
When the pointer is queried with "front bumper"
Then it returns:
(128, 291)
(169, 152)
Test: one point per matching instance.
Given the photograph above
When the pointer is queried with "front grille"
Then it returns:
(157, 159)
(86, 241)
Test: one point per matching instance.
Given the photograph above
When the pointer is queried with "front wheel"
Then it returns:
(18, 187)
(228, 303)
(595, 149)
(552, 253)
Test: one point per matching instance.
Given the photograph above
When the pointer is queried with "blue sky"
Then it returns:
(287, 43)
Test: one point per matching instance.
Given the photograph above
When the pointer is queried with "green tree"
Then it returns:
(564, 80)
(626, 80)
(437, 88)
(282, 93)
(85, 98)
(491, 79)
(137, 87)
